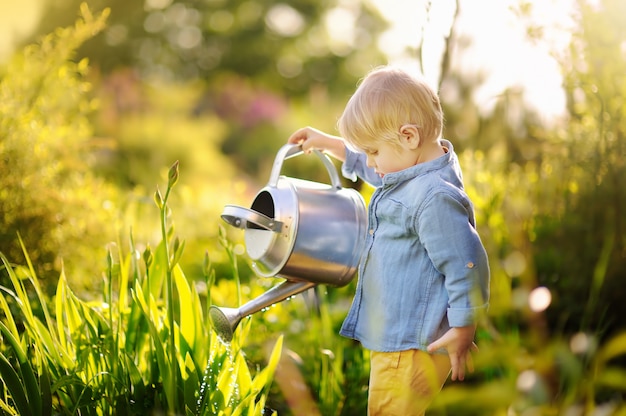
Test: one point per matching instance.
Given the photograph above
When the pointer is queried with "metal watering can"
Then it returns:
(306, 232)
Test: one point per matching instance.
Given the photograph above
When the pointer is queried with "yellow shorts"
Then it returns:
(405, 383)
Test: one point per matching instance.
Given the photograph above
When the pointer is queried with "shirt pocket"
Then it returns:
(392, 217)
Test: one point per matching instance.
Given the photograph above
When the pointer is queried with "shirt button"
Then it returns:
(371, 231)
(470, 265)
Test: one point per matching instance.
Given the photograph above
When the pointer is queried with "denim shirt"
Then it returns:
(423, 268)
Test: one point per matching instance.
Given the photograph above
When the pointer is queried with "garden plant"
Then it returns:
(145, 347)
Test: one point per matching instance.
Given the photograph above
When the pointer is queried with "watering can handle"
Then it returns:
(239, 217)
(292, 150)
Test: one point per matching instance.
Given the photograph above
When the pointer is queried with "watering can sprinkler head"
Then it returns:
(224, 321)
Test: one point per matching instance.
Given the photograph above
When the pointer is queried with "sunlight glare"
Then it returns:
(497, 47)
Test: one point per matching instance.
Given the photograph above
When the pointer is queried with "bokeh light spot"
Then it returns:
(580, 343)
(157, 4)
(526, 380)
(514, 264)
(539, 299)
(284, 20)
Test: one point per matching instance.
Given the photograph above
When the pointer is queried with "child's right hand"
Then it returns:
(459, 342)
(313, 139)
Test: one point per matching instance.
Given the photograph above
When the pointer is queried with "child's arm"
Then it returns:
(311, 138)
(459, 342)
(447, 232)
(354, 163)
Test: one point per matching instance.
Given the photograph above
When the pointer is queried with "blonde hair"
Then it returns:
(386, 99)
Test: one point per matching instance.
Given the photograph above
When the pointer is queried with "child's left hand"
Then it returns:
(459, 342)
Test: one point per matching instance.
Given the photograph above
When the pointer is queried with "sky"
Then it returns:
(498, 47)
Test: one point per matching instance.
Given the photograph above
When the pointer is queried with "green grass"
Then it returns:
(145, 347)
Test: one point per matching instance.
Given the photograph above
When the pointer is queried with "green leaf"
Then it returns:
(152, 315)
(227, 380)
(137, 384)
(8, 409)
(46, 391)
(264, 377)
(615, 347)
(60, 307)
(7, 311)
(157, 272)
(12, 382)
(187, 315)
(21, 296)
(202, 333)
(35, 282)
(31, 387)
(190, 383)
(123, 285)
(614, 378)
(52, 347)
(209, 393)
(244, 378)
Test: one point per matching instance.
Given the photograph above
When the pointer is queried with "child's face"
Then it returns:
(386, 157)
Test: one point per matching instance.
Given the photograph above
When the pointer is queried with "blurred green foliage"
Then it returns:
(284, 46)
(580, 236)
(45, 166)
(248, 60)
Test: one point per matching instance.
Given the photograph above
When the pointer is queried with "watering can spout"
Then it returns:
(225, 320)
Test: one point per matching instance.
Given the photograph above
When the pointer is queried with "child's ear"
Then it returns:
(410, 136)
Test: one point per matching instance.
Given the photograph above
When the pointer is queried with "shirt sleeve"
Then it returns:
(453, 245)
(355, 166)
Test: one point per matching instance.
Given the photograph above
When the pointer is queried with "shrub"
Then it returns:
(48, 194)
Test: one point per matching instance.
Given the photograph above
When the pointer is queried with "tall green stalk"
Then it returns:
(169, 281)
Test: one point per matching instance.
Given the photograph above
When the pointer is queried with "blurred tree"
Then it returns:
(255, 57)
(560, 189)
(284, 46)
(578, 232)
(562, 197)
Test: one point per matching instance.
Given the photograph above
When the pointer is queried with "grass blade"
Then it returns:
(31, 387)
(12, 381)
(187, 316)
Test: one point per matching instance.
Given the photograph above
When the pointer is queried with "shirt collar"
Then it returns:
(421, 168)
